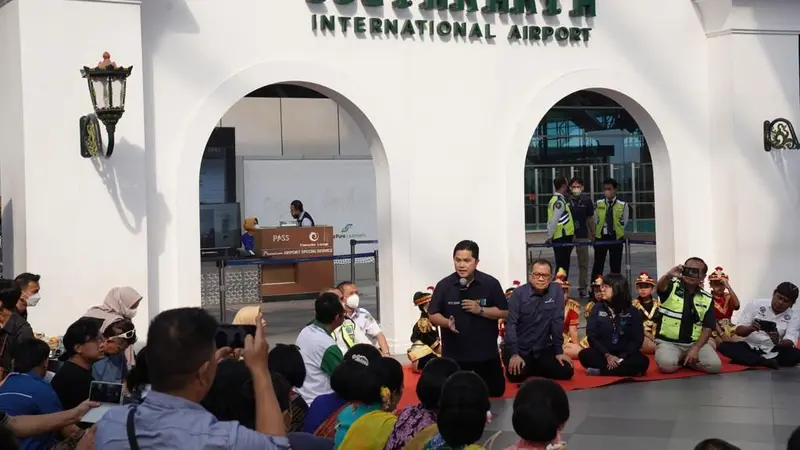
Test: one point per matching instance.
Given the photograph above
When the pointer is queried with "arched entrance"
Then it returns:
(184, 288)
(622, 90)
(589, 139)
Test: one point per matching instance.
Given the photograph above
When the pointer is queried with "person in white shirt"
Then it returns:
(363, 319)
(348, 334)
(770, 328)
(320, 353)
(303, 218)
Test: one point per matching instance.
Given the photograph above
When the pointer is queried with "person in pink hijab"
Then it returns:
(120, 303)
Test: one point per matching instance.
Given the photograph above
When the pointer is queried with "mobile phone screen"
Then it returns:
(233, 335)
(768, 326)
(102, 392)
(690, 272)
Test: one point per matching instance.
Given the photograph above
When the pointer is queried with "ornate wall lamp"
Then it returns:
(107, 84)
(779, 135)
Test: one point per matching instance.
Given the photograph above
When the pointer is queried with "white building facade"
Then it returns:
(447, 100)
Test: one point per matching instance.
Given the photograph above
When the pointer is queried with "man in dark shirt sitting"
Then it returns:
(534, 329)
(466, 306)
(687, 320)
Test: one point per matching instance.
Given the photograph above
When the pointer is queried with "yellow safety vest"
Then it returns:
(565, 226)
(348, 332)
(672, 313)
(617, 210)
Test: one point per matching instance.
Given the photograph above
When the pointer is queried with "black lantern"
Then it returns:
(779, 135)
(107, 90)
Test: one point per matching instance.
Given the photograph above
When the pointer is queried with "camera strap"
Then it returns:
(134, 445)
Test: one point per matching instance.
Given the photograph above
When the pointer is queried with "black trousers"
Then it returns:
(631, 366)
(562, 253)
(491, 372)
(542, 365)
(614, 259)
(741, 353)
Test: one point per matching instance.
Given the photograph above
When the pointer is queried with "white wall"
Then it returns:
(79, 223)
(294, 128)
(446, 122)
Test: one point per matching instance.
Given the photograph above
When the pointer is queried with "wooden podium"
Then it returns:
(294, 280)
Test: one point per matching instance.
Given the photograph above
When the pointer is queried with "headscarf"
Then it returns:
(250, 224)
(118, 305)
(370, 432)
(248, 316)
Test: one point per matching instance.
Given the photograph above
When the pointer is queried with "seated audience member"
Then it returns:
(320, 353)
(322, 414)
(715, 444)
(794, 440)
(501, 323)
(137, 383)
(463, 409)
(25, 393)
(425, 342)
(15, 329)
(615, 334)
(22, 427)
(231, 399)
(541, 409)
(648, 308)
(770, 328)
(29, 286)
(348, 334)
(182, 360)
(687, 320)
(415, 418)
(595, 296)
(368, 420)
(287, 361)
(725, 303)
(113, 367)
(534, 329)
(572, 318)
(362, 318)
(83, 345)
(120, 303)
(248, 316)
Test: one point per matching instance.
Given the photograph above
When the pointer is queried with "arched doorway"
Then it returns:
(175, 272)
(280, 144)
(590, 139)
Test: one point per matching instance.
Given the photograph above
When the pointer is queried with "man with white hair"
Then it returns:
(362, 318)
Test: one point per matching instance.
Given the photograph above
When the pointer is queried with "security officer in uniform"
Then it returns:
(612, 217)
(560, 225)
(687, 320)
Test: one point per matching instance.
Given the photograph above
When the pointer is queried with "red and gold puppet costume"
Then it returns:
(648, 307)
(572, 318)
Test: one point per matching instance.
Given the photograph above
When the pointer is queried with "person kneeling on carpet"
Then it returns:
(534, 329)
(648, 308)
(572, 318)
(770, 329)
(425, 342)
(687, 320)
(615, 334)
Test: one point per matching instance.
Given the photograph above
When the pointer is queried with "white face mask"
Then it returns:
(352, 301)
(576, 192)
(33, 299)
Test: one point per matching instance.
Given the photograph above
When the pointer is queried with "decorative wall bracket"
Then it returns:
(779, 134)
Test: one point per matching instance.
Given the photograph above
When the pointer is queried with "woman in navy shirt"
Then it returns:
(615, 333)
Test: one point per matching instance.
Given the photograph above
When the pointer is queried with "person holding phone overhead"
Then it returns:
(770, 328)
(687, 320)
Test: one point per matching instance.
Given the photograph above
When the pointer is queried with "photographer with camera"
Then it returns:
(687, 320)
(770, 329)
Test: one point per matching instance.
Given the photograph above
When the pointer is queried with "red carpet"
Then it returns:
(579, 381)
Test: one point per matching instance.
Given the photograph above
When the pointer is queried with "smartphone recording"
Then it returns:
(233, 335)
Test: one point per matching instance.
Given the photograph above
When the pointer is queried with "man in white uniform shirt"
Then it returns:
(770, 328)
(363, 319)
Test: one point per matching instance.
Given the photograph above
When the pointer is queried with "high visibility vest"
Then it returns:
(347, 330)
(617, 211)
(565, 226)
(671, 311)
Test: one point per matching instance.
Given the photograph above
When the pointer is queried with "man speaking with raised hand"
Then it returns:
(466, 306)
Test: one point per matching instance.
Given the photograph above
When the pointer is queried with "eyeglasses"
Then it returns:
(541, 276)
(128, 335)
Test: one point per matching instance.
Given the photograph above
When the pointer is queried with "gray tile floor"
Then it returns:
(755, 410)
